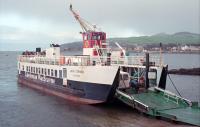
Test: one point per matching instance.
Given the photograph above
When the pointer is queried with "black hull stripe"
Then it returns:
(91, 90)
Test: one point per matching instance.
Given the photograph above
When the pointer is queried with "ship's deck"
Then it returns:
(161, 103)
(156, 101)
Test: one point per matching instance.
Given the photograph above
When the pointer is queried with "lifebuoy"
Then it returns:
(62, 60)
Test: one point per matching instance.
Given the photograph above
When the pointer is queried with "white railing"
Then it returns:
(38, 59)
(90, 60)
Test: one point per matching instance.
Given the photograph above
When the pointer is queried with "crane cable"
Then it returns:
(174, 85)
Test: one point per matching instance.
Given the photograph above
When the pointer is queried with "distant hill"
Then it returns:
(72, 45)
(177, 38)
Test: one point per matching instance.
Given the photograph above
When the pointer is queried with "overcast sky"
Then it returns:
(26, 24)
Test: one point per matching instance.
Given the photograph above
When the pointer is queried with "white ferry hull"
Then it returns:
(83, 84)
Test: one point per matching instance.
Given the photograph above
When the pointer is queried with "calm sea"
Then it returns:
(24, 107)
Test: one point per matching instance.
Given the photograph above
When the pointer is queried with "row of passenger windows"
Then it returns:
(94, 37)
(46, 72)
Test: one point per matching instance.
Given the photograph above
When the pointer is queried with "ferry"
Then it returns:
(101, 74)
(95, 75)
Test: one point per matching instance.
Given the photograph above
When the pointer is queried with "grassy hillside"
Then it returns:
(177, 38)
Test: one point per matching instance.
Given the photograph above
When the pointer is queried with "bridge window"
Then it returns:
(88, 37)
(85, 37)
(103, 37)
(94, 37)
(98, 37)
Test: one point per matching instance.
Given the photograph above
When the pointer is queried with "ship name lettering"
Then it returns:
(77, 71)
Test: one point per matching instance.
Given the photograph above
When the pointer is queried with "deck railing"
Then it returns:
(90, 60)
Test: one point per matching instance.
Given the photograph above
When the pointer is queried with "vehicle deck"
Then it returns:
(157, 102)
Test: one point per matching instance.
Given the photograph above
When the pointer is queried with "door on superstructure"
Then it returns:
(64, 77)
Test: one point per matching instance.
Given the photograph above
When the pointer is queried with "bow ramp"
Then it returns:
(162, 103)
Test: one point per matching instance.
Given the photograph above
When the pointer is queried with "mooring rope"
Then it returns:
(174, 86)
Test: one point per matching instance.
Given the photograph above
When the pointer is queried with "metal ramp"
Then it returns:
(158, 102)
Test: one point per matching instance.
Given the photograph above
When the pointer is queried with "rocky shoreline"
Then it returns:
(185, 71)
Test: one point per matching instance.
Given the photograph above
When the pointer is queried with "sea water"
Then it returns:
(21, 106)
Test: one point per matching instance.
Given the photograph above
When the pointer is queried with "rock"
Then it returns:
(185, 71)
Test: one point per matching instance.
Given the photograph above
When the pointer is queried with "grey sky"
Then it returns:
(25, 24)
